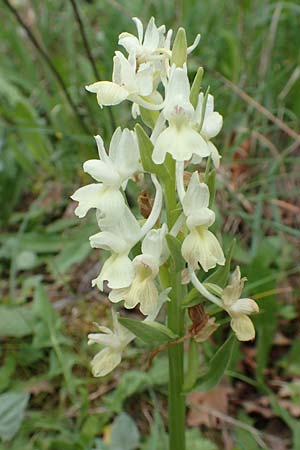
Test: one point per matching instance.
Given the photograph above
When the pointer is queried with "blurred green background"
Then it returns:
(49, 400)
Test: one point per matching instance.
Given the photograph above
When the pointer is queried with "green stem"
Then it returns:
(176, 401)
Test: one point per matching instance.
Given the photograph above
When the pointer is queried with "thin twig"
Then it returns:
(89, 52)
(260, 108)
(49, 62)
(269, 44)
(84, 38)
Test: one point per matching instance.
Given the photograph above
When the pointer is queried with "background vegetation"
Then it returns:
(49, 51)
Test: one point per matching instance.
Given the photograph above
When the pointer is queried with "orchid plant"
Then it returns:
(174, 246)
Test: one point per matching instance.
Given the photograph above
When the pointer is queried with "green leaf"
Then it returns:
(190, 377)
(196, 86)
(243, 437)
(130, 383)
(158, 439)
(203, 108)
(195, 441)
(17, 321)
(44, 308)
(174, 245)
(26, 260)
(149, 117)
(179, 50)
(152, 333)
(6, 372)
(12, 409)
(146, 149)
(217, 366)
(220, 276)
(73, 253)
(124, 433)
(211, 183)
(290, 361)
(192, 298)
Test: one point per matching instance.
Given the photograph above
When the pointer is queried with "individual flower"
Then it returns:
(130, 81)
(239, 308)
(200, 246)
(114, 344)
(146, 47)
(180, 139)
(112, 172)
(210, 123)
(143, 289)
(119, 238)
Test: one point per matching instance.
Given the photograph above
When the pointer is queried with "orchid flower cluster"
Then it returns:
(176, 152)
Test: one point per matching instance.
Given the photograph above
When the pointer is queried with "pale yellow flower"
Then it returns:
(239, 308)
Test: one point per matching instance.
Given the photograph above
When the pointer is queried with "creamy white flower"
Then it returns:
(239, 308)
(152, 47)
(111, 171)
(129, 82)
(114, 343)
(143, 289)
(119, 238)
(200, 246)
(180, 139)
(210, 122)
(148, 46)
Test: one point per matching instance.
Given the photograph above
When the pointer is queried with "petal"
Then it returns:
(117, 295)
(129, 42)
(118, 270)
(162, 298)
(212, 125)
(151, 38)
(144, 79)
(143, 292)
(202, 247)
(124, 335)
(215, 156)
(105, 361)
(108, 241)
(155, 244)
(102, 171)
(232, 292)
(111, 203)
(194, 44)
(114, 145)
(139, 27)
(126, 71)
(101, 149)
(197, 195)
(108, 93)
(126, 155)
(201, 217)
(160, 148)
(244, 306)
(87, 197)
(178, 89)
(149, 301)
(147, 261)
(109, 340)
(180, 143)
(156, 208)
(243, 328)
(126, 228)
(209, 105)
